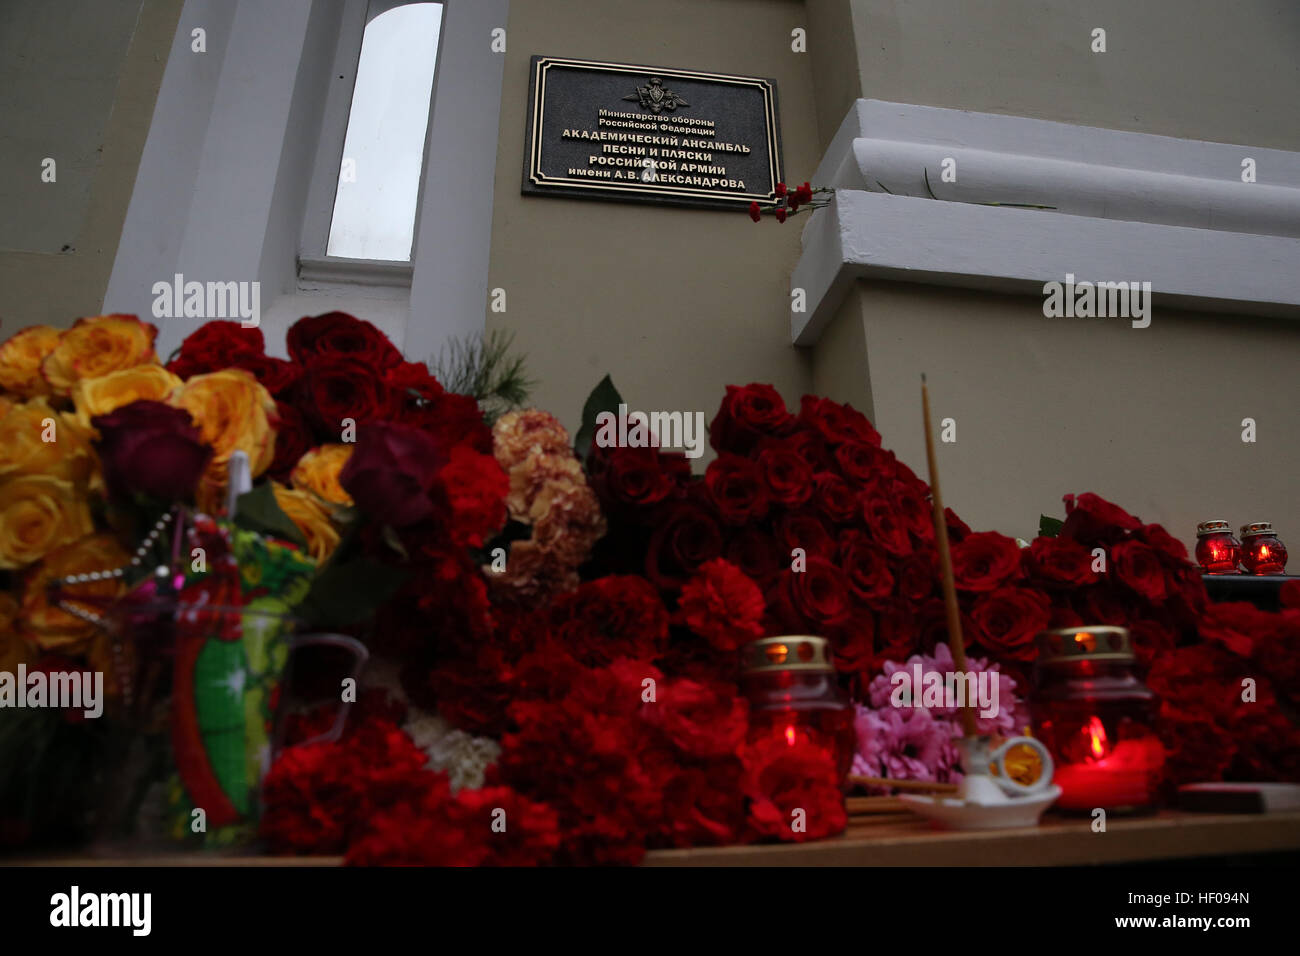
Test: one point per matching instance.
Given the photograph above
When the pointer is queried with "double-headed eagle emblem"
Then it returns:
(655, 98)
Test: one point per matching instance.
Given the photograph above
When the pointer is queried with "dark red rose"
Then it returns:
(834, 498)
(868, 572)
(390, 473)
(747, 414)
(1007, 620)
(1172, 551)
(914, 510)
(786, 474)
(722, 605)
(1090, 518)
(885, 526)
(785, 783)
(293, 439)
(836, 423)
(637, 477)
(1289, 594)
(1104, 604)
(917, 576)
(151, 449)
(1058, 562)
(276, 375)
(686, 536)
(807, 531)
(414, 378)
(812, 601)
(1239, 627)
(1150, 640)
(813, 448)
(862, 463)
(736, 488)
(984, 561)
(1138, 568)
(333, 391)
(958, 530)
(450, 419)
(897, 633)
(756, 553)
(337, 335)
(217, 345)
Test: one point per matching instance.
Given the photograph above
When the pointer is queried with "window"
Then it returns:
(383, 150)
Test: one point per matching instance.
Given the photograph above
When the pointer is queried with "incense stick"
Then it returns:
(927, 786)
(955, 640)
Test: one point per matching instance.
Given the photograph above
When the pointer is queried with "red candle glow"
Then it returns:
(1261, 551)
(1217, 550)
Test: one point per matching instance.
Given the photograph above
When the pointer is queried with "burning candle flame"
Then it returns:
(1097, 735)
(789, 734)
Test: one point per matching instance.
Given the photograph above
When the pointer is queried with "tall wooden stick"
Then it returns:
(955, 641)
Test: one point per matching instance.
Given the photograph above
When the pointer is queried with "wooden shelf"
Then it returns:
(900, 839)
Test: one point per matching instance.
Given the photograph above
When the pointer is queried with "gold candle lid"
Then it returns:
(1256, 528)
(1097, 643)
(789, 652)
(1212, 527)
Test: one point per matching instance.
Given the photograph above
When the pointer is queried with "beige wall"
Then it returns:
(79, 81)
(1149, 418)
(1197, 69)
(719, 313)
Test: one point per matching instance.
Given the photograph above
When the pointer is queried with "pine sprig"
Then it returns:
(483, 367)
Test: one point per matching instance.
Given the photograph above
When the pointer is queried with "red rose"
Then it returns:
(216, 345)
(794, 791)
(806, 531)
(637, 477)
(1150, 640)
(722, 605)
(868, 573)
(747, 414)
(1007, 620)
(812, 601)
(863, 463)
(756, 553)
(1103, 604)
(1172, 551)
(449, 419)
(1059, 562)
(337, 335)
(958, 530)
(293, 439)
(1289, 594)
(811, 447)
(685, 537)
(736, 488)
(835, 499)
(276, 375)
(151, 449)
(414, 378)
(886, 527)
(914, 510)
(1138, 568)
(836, 423)
(917, 577)
(786, 474)
(897, 633)
(476, 488)
(390, 473)
(984, 561)
(1090, 518)
(332, 390)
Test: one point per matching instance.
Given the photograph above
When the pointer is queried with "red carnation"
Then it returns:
(755, 211)
(984, 561)
(611, 617)
(475, 487)
(794, 791)
(722, 605)
(701, 720)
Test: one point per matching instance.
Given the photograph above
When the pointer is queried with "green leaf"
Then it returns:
(1049, 527)
(257, 510)
(603, 398)
(343, 594)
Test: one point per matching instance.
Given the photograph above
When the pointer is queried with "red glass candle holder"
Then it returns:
(1261, 551)
(1098, 720)
(1217, 549)
(794, 695)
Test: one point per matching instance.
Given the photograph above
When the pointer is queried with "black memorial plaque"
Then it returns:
(648, 134)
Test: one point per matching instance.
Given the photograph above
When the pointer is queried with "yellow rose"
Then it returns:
(99, 396)
(312, 517)
(318, 471)
(21, 357)
(96, 346)
(24, 449)
(53, 629)
(38, 513)
(233, 412)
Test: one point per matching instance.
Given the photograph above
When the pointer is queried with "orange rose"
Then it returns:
(97, 346)
(38, 513)
(21, 357)
(312, 517)
(318, 471)
(25, 450)
(233, 412)
(99, 396)
(49, 627)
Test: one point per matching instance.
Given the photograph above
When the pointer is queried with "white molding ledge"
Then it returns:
(1128, 206)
